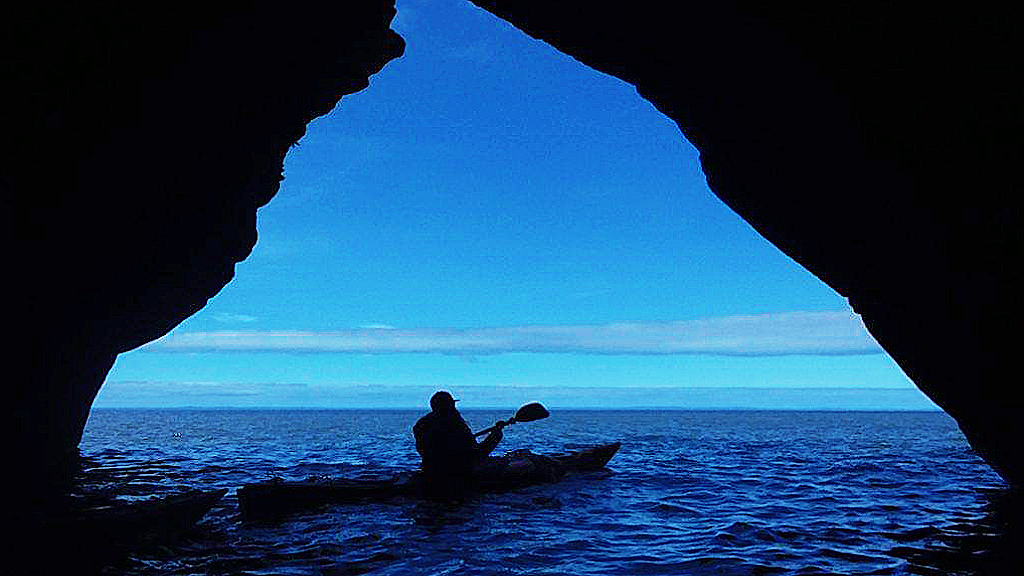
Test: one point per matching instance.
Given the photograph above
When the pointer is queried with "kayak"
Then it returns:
(158, 515)
(515, 470)
(94, 539)
(169, 513)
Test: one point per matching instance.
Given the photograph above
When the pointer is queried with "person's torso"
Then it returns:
(445, 443)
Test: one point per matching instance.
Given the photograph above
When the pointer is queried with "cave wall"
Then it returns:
(144, 145)
(874, 144)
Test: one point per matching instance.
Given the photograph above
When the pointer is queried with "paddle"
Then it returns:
(528, 413)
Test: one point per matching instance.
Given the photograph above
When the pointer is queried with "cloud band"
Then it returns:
(791, 333)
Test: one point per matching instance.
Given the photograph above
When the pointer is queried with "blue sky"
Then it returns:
(493, 218)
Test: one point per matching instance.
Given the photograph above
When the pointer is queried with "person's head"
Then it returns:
(442, 401)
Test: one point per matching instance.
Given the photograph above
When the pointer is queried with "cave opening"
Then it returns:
(482, 186)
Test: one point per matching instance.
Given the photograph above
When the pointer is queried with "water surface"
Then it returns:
(712, 492)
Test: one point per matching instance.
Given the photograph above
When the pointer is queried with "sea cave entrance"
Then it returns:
(494, 217)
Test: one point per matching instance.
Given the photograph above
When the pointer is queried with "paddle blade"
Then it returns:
(531, 412)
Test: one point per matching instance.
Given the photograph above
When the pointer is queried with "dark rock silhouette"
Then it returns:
(142, 147)
(874, 144)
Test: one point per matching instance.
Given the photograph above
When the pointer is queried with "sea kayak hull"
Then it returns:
(510, 472)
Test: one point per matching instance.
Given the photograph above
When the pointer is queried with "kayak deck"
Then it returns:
(516, 470)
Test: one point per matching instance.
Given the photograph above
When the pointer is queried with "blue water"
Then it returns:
(727, 492)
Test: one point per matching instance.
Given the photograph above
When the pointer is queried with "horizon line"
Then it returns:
(489, 408)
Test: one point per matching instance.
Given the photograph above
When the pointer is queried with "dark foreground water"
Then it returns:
(689, 493)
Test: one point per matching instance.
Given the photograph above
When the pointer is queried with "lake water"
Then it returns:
(690, 492)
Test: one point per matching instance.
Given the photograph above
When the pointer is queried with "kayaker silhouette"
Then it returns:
(446, 444)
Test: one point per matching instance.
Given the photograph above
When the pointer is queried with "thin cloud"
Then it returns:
(229, 318)
(792, 333)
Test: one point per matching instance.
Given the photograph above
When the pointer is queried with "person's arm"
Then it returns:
(491, 442)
